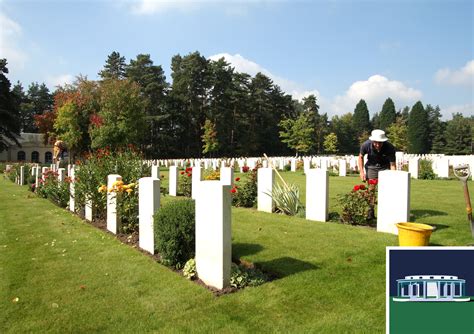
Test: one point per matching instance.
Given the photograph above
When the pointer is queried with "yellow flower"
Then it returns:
(129, 191)
(132, 185)
(102, 188)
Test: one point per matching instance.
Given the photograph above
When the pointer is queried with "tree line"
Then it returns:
(209, 109)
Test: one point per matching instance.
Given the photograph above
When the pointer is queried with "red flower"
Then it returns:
(245, 169)
(356, 188)
(362, 187)
(237, 179)
(233, 190)
(189, 175)
(189, 170)
(96, 120)
(373, 181)
(182, 173)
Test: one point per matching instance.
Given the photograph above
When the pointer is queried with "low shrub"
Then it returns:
(426, 170)
(175, 232)
(357, 203)
(241, 276)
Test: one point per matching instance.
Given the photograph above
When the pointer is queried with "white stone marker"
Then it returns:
(88, 208)
(317, 195)
(148, 204)
(113, 219)
(293, 165)
(265, 180)
(155, 171)
(213, 234)
(22, 175)
(43, 173)
(306, 165)
(196, 178)
(413, 167)
(442, 167)
(393, 200)
(173, 184)
(37, 176)
(342, 167)
(72, 202)
(61, 175)
(227, 176)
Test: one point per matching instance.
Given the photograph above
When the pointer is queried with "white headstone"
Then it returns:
(113, 219)
(342, 167)
(306, 165)
(265, 180)
(413, 167)
(317, 195)
(213, 234)
(148, 204)
(442, 167)
(227, 176)
(88, 208)
(173, 181)
(293, 165)
(72, 202)
(155, 171)
(393, 200)
(37, 176)
(22, 175)
(61, 175)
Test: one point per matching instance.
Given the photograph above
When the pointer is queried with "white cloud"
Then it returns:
(10, 32)
(244, 65)
(462, 76)
(466, 109)
(59, 80)
(149, 7)
(374, 91)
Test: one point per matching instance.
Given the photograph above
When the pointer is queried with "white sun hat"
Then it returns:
(378, 135)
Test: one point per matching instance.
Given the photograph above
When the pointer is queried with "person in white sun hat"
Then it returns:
(380, 156)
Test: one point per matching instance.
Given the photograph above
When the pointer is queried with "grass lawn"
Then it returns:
(70, 277)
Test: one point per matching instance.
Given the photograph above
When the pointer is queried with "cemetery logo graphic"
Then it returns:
(431, 288)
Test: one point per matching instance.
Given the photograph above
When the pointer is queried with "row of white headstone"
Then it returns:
(213, 210)
(440, 163)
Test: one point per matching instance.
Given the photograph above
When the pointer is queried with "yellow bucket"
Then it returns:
(414, 234)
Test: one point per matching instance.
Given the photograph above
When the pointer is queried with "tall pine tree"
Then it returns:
(9, 118)
(361, 120)
(388, 114)
(114, 67)
(436, 130)
(418, 131)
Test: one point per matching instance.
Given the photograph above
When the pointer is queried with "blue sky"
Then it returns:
(339, 50)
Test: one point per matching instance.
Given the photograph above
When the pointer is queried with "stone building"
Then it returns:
(32, 149)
